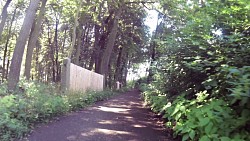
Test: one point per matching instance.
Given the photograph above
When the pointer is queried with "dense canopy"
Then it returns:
(198, 77)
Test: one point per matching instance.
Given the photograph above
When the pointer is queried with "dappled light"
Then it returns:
(115, 110)
(138, 125)
(120, 119)
(180, 64)
(106, 122)
(106, 132)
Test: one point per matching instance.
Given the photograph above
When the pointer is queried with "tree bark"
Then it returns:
(126, 66)
(97, 28)
(57, 65)
(110, 43)
(78, 49)
(16, 61)
(118, 68)
(33, 39)
(6, 46)
(153, 54)
(4, 16)
(74, 30)
(37, 66)
(54, 53)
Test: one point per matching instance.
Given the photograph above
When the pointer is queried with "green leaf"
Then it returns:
(185, 137)
(177, 117)
(177, 108)
(208, 128)
(245, 113)
(225, 139)
(204, 138)
(234, 71)
(192, 134)
(204, 121)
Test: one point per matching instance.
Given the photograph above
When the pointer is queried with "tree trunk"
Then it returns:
(49, 58)
(74, 30)
(127, 65)
(37, 66)
(110, 43)
(4, 16)
(119, 65)
(16, 61)
(99, 49)
(8, 66)
(33, 39)
(78, 49)
(6, 46)
(97, 28)
(54, 53)
(64, 40)
(57, 66)
(153, 53)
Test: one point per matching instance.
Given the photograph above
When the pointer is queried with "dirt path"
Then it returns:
(122, 118)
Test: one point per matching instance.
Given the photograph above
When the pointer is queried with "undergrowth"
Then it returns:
(37, 102)
(205, 117)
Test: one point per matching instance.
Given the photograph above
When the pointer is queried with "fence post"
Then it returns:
(65, 75)
(118, 85)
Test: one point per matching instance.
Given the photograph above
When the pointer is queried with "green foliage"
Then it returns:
(202, 68)
(201, 118)
(212, 119)
(38, 102)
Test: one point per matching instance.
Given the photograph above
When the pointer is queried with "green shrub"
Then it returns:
(3, 89)
(202, 118)
(10, 125)
(38, 103)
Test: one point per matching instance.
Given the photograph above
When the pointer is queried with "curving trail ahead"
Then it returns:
(122, 118)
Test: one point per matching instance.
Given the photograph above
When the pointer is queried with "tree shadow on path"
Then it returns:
(122, 118)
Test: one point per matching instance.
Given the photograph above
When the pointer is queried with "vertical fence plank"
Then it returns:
(65, 78)
(76, 78)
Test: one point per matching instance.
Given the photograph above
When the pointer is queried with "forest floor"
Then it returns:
(122, 118)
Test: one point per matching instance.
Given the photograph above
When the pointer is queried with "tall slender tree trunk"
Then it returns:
(110, 43)
(99, 50)
(109, 78)
(4, 16)
(124, 70)
(8, 66)
(33, 39)
(57, 66)
(97, 28)
(37, 66)
(78, 49)
(74, 30)
(153, 54)
(64, 40)
(16, 61)
(118, 68)
(6, 46)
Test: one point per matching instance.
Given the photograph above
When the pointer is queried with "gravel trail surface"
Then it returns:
(122, 118)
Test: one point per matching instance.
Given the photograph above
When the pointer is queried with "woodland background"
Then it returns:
(199, 58)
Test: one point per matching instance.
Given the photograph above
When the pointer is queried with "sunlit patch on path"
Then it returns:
(115, 110)
(123, 118)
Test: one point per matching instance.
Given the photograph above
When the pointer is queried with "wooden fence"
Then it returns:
(75, 78)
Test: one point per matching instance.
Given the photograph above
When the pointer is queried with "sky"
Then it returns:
(151, 21)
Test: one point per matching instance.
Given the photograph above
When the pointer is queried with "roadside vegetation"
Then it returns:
(199, 57)
(36, 103)
(199, 79)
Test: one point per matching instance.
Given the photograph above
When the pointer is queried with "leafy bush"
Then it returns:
(201, 118)
(38, 103)
(201, 65)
